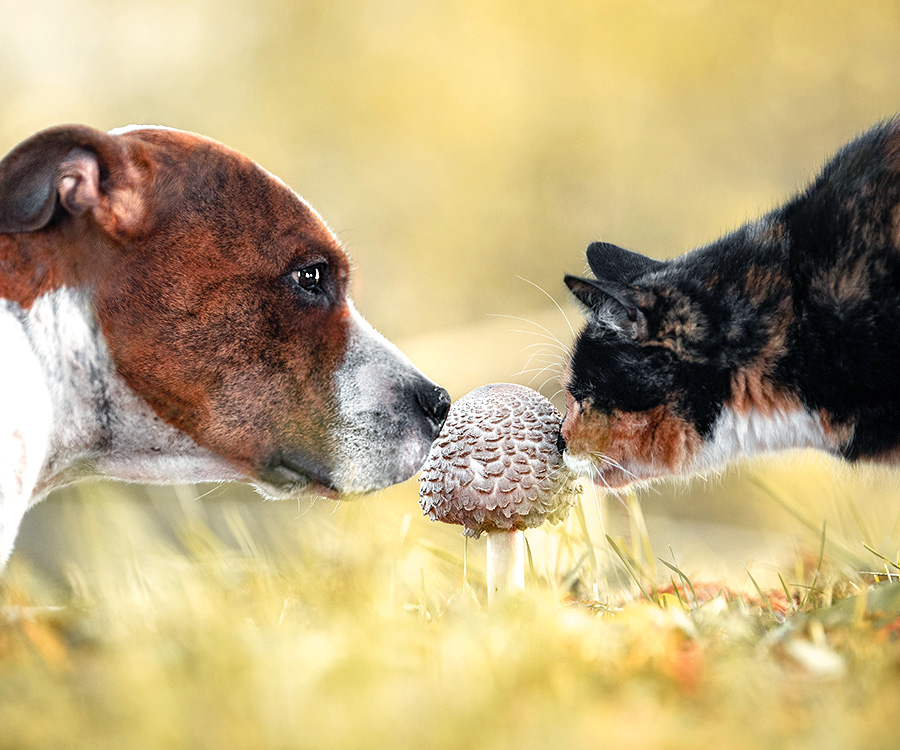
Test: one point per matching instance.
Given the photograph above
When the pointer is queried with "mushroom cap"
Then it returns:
(496, 465)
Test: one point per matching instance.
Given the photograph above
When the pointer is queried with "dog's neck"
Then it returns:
(85, 420)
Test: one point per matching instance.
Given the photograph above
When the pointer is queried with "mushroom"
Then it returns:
(496, 468)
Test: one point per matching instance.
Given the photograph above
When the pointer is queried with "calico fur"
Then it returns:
(782, 334)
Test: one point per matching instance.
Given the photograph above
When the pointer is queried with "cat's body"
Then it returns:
(783, 334)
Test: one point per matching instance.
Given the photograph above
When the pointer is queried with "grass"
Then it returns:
(231, 623)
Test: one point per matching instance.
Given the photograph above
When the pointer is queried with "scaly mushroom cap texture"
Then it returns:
(496, 464)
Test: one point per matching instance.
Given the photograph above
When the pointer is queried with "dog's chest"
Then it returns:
(67, 414)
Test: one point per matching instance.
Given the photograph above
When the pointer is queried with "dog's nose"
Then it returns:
(435, 402)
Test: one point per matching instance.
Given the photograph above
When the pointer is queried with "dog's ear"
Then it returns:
(74, 169)
(629, 308)
(614, 263)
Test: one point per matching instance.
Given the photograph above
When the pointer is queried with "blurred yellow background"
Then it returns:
(466, 153)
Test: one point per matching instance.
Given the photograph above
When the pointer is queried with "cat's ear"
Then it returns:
(614, 263)
(615, 268)
(628, 311)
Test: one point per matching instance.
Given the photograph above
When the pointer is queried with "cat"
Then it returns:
(783, 334)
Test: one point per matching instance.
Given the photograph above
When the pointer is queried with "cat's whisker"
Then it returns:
(548, 336)
(551, 344)
(553, 376)
(537, 375)
(612, 462)
(531, 358)
(534, 369)
(547, 358)
(550, 297)
(552, 367)
(543, 348)
(546, 330)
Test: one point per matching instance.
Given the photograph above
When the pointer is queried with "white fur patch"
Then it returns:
(26, 416)
(380, 439)
(737, 435)
(65, 414)
(734, 436)
(583, 466)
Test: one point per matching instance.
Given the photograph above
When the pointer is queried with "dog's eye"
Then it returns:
(310, 277)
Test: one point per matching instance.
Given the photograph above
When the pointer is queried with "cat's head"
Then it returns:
(654, 366)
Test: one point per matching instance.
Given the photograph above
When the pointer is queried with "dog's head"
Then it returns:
(222, 299)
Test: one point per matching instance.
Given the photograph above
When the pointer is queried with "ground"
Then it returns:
(229, 622)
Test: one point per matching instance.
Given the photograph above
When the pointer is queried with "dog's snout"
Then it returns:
(560, 442)
(435, 402)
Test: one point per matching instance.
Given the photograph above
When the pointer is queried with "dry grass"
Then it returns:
(228, 623)
(453, 146)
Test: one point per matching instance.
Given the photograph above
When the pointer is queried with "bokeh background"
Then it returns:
(466, 153)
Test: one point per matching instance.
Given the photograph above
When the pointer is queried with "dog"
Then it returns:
(171, 312)
(783, 334)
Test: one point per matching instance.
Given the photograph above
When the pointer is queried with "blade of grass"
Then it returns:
(630, 569)
(788, 505)
(530, 563)
(853, 508)
(682, 602)
(572, 575)
(642, 540)
(586, 536)
(684, 579)
(761, 594)
(423, 600)
(881, 557)
(787, 594)
(812, 588)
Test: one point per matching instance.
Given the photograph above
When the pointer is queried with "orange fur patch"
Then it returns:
(751, 390)
(762, 282)
(655, 438)
(844, 284)
(751, 387)
(840, 434)
(770, 232)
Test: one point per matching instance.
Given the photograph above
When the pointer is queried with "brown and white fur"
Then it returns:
(171, 312)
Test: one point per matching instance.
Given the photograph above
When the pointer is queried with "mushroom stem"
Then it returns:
(505, 562)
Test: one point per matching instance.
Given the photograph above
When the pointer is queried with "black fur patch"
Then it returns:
(804, 304)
